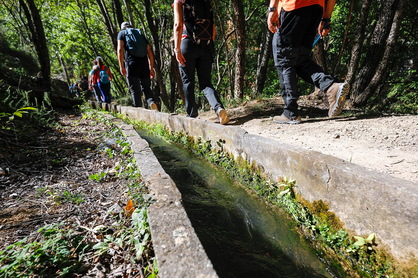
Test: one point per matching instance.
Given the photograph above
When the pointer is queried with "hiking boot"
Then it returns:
(337, 96)
(154, 107)
(223, 116)
(282, 119)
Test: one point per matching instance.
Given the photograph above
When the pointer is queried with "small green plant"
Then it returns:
(11, 116)
(55, 254)
(98, 177)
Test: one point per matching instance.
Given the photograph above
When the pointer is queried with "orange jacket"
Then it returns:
(290, 5)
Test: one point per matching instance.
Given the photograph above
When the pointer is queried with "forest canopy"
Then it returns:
(373, 45)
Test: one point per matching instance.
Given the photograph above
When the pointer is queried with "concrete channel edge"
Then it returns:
(365, 201)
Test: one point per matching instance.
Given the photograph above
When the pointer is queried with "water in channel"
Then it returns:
(241, 235)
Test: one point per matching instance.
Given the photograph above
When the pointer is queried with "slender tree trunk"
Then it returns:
(108, 22)
(358, 42)
(118, 12)
(39, 40)
(345, 38)
(239, 20)
(157, 53)
(129, 9)
(375, 55)
(263, 60)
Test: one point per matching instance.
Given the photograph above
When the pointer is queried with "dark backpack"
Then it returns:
(198, 18)
(104, 76)
(136, 42)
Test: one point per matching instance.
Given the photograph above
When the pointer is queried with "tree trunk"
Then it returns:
(118, 12)
(362, 89)
(108, 22)
(262, 63)
(239, 21)
(358, 42)
(382, 67)
(157, 53)
(38, 37)
(347, 27)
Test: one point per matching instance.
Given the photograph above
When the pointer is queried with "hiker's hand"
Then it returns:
(123, 71)
(151, 73)
(180, 58)
(324, 27)
(273, 21)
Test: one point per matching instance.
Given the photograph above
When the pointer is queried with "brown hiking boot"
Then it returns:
(282, 119)
(154, 106)
(337, 96)
(223, 116)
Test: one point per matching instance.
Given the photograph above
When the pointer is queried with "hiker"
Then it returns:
(103, 80)
(295, 24)
(75, 89)
(194, 32)
(93, 76)
(136, 62)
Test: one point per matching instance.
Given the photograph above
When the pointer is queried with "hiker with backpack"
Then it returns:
(93, 76)
(194, 32)
(103, 80)
(295, 23)
(136, 62)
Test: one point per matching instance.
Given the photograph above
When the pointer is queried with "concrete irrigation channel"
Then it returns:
(365, 201)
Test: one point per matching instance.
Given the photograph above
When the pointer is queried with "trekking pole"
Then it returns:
(317, 38)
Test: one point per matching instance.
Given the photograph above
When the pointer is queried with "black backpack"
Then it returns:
(198, 18)
(136, 42)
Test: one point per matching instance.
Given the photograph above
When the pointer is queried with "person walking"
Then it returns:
(136, 63)
(295, 24)
(194, 32)
(103, 80)
(92, 79)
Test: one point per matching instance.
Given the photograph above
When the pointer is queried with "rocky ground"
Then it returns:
(384, 143)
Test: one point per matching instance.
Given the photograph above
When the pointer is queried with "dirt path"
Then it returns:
(388, 144)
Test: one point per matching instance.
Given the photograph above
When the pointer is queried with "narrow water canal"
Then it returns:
(240, 234)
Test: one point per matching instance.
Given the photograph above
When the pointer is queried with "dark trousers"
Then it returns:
(138, 79)
(292, 46)
(105, 91)
(97, 93)
(198, 59)
(136, 86)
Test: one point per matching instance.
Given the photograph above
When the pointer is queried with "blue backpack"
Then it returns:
(136, 42)
(104, 77)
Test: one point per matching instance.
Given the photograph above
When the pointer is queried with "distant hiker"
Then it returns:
(103, 80)
(295, 24)
(136, 62)
(93, 77)
(194, 32)
(75, 89)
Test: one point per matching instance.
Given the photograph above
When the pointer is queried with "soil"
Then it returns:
(383, 143)
(45, 179)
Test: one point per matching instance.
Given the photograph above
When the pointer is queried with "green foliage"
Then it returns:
(11, 116)
(55, 254)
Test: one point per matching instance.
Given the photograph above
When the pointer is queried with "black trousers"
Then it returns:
(138, 79)
(199, 59)
(292, 47)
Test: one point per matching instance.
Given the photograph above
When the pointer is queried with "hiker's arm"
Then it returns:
(150, 61)
(178, 31)
(273, 17)
(214, 32)
(121, 57)
(323, 28)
